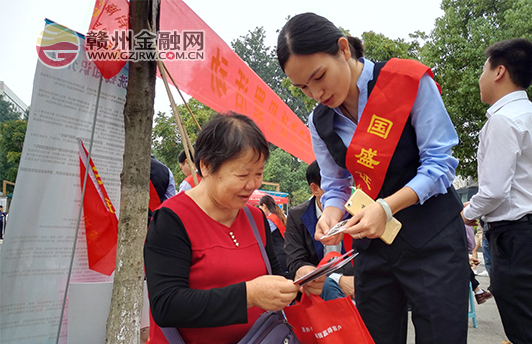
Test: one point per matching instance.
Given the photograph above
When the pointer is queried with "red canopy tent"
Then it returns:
(257, 195)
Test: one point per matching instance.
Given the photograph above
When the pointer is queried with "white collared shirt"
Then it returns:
(318, 209)
(504, 162)
(329, 248)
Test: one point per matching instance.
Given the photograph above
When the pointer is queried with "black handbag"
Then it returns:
(270, 327)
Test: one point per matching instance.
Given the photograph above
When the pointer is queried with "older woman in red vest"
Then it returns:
(205, 270)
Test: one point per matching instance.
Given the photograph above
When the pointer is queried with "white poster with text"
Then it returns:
(37, 249)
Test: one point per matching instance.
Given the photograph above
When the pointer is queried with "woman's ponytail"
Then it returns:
(356, 46)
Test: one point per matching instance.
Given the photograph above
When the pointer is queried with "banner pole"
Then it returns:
(187, 145)
(179, 115)
(182, 98)
(87, 167)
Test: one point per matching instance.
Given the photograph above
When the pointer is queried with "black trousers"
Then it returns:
(278, 246)
(511, 278)
(473, 280)
(433, 278)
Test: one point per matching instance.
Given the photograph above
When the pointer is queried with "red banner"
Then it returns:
(206, 68)
(110, 17)
(101, 224)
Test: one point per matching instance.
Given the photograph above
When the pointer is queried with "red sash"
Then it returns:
(190, 180)
(277, 221)
(382, 123)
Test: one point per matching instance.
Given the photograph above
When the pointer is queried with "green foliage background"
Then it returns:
(166, 140)
(455, 50)
(12, 133)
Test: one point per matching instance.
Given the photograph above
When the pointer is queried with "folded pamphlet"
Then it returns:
(335, 264)
(337, 228)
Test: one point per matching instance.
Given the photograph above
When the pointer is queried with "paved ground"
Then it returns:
(490, 330)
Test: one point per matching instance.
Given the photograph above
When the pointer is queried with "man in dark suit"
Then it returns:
(302, 249)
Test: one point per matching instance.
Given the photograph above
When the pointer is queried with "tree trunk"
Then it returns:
(123, 324)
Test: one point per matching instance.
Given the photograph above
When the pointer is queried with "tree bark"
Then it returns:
(123, 323)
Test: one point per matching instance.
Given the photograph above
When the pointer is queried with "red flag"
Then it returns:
(108, 31)
(155, 201)
(101, 224)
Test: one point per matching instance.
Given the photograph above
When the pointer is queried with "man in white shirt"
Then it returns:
(504, 198)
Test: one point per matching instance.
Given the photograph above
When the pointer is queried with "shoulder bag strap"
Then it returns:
(172, 335)
(259, 240)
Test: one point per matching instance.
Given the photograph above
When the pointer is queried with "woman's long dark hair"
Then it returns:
(272, 207)
(309, 33)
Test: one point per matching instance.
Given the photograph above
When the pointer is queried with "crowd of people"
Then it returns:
(382, 127)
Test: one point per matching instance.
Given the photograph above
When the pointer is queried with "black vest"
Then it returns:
(159, 176)
(420, 222)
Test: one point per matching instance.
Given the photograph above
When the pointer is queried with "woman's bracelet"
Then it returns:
(386, 208)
